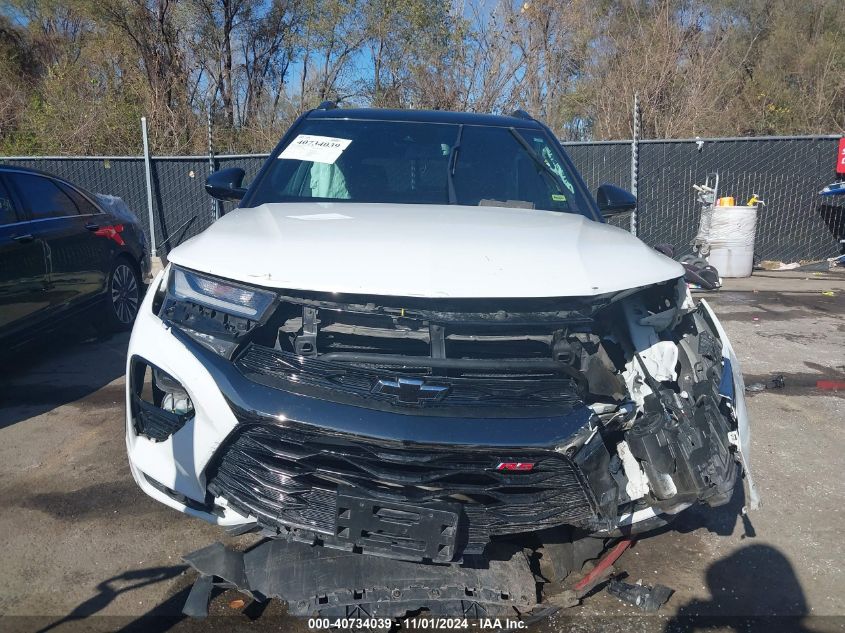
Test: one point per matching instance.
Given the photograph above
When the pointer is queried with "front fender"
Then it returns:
(735, 391)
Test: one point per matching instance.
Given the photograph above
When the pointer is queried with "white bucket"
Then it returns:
(732, 240)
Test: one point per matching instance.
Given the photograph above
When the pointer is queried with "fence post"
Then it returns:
(153, 253)
(215, 204)
(635, 158)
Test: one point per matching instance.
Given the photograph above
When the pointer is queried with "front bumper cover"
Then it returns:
(174, 471)
(737, 396)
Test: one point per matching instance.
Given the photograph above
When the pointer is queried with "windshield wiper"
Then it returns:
(536, 158)
(450, 167)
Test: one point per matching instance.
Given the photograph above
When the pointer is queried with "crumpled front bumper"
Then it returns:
(743, 441)
(175, 468)
(178, 463)
(173, 471)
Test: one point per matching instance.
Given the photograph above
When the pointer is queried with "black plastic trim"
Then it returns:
(548, 431)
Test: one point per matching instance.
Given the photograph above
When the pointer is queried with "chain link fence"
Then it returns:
(117, 175)
(786, 172)
(795, 223)
(604, 163)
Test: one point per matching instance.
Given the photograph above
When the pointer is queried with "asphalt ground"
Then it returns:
(82, 548)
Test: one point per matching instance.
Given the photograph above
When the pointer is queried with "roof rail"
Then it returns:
(327, 105)
(522, 114)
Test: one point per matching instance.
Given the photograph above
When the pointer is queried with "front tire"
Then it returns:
(123, 297)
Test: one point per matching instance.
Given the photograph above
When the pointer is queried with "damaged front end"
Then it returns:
(432, 430)
(689, 427)
(496, 419)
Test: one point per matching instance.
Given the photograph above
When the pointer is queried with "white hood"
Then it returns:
(423, 251)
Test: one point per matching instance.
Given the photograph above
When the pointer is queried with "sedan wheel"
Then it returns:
(125, 295)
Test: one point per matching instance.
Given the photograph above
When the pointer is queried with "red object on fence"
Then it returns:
(840, 157)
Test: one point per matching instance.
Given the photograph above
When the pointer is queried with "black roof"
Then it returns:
(424, 116)
(28, 170)
(5, 167)
(37, 172)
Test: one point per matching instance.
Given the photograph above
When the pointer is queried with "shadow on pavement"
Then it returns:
(165, 616)
(721, 520)
(63, 367)
(109, 589)
(753, 589)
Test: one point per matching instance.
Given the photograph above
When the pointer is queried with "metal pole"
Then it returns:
(149, 186)
(635, 158)
(215, 205)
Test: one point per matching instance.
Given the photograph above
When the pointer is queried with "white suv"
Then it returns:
(416, 338)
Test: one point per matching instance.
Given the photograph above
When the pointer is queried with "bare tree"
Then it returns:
(77, 74)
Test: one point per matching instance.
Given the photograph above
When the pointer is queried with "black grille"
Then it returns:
(290, 477)
(510, 396)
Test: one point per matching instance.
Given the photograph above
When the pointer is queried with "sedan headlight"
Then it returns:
(215, 312)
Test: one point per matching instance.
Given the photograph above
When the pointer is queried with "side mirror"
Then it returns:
(226, 184)
(613, 200)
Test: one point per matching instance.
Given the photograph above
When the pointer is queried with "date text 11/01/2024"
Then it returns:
(417, 623)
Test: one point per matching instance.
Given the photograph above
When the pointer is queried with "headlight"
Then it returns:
(249, 303)
(214, 312)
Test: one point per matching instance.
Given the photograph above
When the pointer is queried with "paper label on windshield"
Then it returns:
(315, 149)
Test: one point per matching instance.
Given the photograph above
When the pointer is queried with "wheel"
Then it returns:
(123, 297)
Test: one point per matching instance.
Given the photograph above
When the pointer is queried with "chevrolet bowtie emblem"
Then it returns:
(410, 390)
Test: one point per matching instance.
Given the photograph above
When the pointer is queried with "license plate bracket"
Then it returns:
(411, 532)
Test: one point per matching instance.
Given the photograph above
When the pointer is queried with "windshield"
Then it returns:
(332, 160)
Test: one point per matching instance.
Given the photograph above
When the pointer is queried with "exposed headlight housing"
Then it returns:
(242, 301)
(159, 404)
(215, 312)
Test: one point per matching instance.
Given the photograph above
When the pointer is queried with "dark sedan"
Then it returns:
(64, 251)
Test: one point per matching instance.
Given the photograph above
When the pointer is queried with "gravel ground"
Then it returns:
(78, 538)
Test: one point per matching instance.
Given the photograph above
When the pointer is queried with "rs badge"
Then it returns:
(516, 466)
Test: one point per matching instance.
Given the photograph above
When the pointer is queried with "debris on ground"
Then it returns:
(648, 599)
(775, 265)
(777, 382)
(820, 265)
(603, 569)
(334, 583)
(564, 600)
(831, 385)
